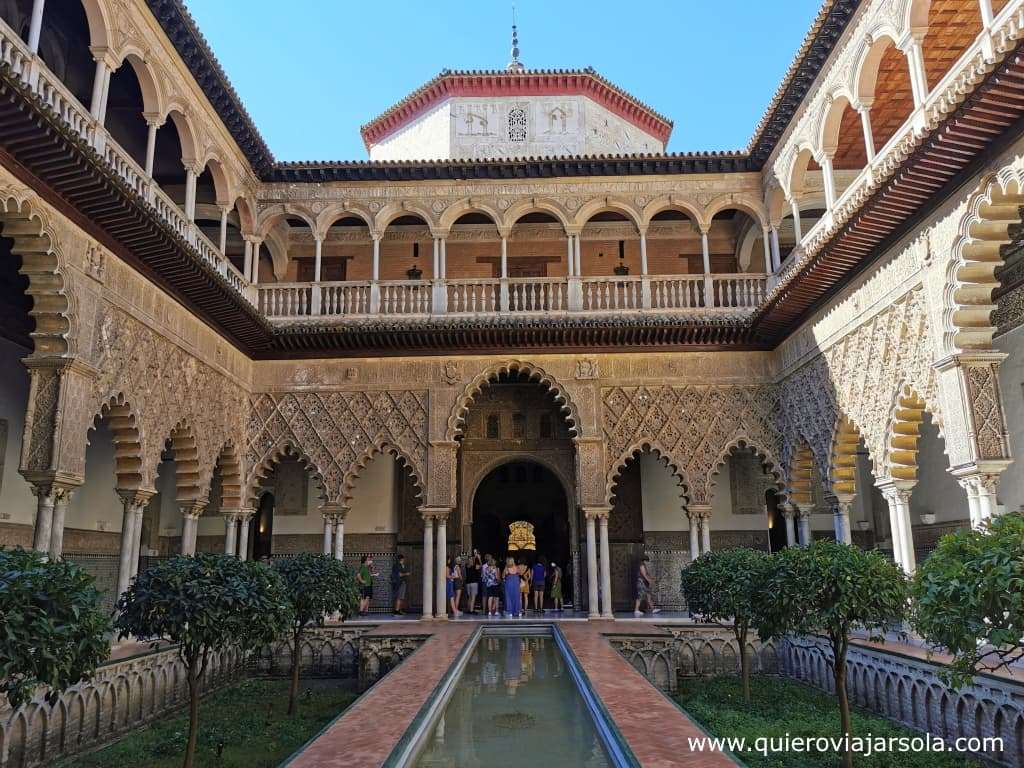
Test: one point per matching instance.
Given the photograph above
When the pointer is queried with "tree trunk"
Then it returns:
(741, 640)
(193, 714)
(839, 671)
(293, 692)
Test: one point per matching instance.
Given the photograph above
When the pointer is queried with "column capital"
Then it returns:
(440, 234)
(788, 510)
(333, 510)
(49, 486)
(960, 359)
(193, 508)
(135, 497)
(246, 514)
(596, 513)
(104, 54)
(895, 490)
(698, 511)
(975, 478)
(438, 513)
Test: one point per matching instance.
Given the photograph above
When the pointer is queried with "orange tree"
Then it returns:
(53, 629)
(828, 590)
(205, 603)
(969, 597)
(721, 587)
(316, 585)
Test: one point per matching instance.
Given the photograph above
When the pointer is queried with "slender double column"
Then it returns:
(981, 496)
(897, 496)
(244, 523)
(230, 532)
(134, 503)
(593, 610)
(700, 529)
(599, 571)
(191, 511)
(789, 515)
(440, 564)
(428, 566)
(803, 526)
(842, 505)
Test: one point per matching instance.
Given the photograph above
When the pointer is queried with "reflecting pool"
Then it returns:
(515, 704)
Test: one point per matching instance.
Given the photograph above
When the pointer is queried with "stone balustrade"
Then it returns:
(698, 295)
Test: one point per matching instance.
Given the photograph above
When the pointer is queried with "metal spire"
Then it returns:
(515, 65)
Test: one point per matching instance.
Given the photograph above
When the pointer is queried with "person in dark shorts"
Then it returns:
(364, 578)
(539, 577)
(400, 583)
(473, 567)
(492, 584)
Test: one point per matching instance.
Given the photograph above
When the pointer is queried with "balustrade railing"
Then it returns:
(612, 293)
(51, 91)
(738, 291)
(473, 296)
(286, 299)
(677, 292)
(405, 297)
(537, 294)
(352, 298)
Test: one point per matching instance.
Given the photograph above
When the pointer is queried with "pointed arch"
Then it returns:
(284, 449)
(993, 209)
(769, 462)
(127, 437)
(386, 448)
(457, 419)
(655, 448)
(230, 465)
(903, 431)
(44, 264)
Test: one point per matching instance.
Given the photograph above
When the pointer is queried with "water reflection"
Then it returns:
(515, 704)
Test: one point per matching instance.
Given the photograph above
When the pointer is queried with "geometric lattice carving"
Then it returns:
(692, 426)
(988, 412)
(337, 431)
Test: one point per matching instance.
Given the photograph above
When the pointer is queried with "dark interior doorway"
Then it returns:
(263, 528)
(527, 491)
(777, 523)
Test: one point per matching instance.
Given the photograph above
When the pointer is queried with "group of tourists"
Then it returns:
(500, 590)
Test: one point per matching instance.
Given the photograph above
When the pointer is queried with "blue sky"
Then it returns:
(311, 72)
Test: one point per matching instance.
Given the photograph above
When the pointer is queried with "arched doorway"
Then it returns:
(523, 491)
(263, 528)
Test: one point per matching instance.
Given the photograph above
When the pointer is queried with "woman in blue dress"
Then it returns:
(511, 584)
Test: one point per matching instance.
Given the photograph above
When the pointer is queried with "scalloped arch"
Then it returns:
(456, 420)
(970, 279)
(380, 448)
(284, 449)
(43, 263)
(768, 460)
(664, 456)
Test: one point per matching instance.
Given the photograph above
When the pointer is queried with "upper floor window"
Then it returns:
(545, 425)
(493, 427)
(517, 124)
(518, 425)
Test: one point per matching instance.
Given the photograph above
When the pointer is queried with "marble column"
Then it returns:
(428, 567)
(339, 536)
(841, 518)
(865, 124)
(140, 512)
(593, 609)
(694, 534)
(328, 529)
(190, 514)
(35, 26)
(44, 494)
(829, 180)
(797, 230)
(61, 499)
(244, 524)
(897, 496)
(789, 515)
(153, 123)
(804, 527)
(705, 531)
(230, 533)
(133, 502)
(441, 545)
(606, 567)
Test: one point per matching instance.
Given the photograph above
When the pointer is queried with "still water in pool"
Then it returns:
(515, 705)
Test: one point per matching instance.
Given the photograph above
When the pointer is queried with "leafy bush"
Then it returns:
(53, 629)
(205, 603)
(316, 585)
(723, 586)
(969, 597)
(830, 589)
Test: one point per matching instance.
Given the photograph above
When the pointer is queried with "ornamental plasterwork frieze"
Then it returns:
(859, 377)
(337, 432)
(693, 426)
